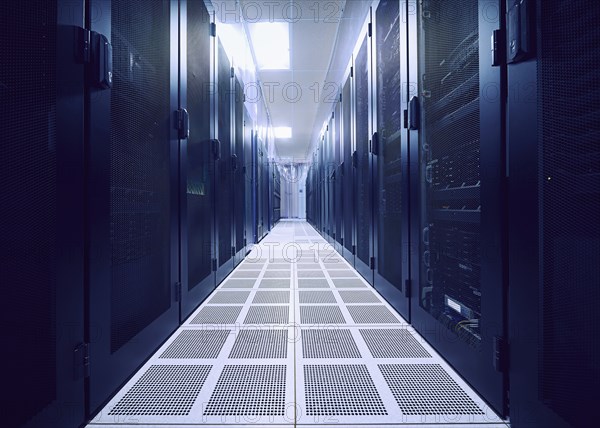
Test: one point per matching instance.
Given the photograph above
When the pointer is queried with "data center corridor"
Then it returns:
(294, 336)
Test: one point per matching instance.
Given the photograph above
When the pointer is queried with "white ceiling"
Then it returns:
(312, 39)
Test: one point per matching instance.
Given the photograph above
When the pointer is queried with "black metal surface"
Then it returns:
(339, 178)
(133, 193)
(348, 169)
(140, 169)
(363, 171)
(238, 173)
(198, 162)
(555, 232)
(450, 130)
(249, 162)
(389, 128)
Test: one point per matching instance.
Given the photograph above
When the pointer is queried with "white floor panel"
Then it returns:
(295, 344)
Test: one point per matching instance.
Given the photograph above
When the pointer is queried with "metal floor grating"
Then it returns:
(301, 341)
(260, 344)
(249, 390)
(393, 343)
(217, 315)
(328, 343)
(197, 344)
(271, 297)
(313, 296)
(344, 390)
(267, 315)
(321, 315)
(163, 390)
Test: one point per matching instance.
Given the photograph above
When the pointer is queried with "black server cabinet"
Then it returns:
(197, 158)
(338, 199)
(329, 182)
(276, 194)
(224, 171)
(554, 216)
(249, 161)
(348, 169)
(41, 232)
(239, 191)
(258, 187)
(390, 159)
(363, 163)
(458, 299)
(132, 183)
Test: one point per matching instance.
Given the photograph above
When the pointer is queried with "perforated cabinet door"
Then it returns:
(41, 226)
(132, 192)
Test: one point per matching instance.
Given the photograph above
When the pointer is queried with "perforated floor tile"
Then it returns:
(277, 274)
(249, 390)
(267, 315)
(372, 315)
(251, 266)
(197, 344)
(282, 266)
(321, 315)
(312, 283)
(348, 283)
(393, 343)
(217, 315)
(341, 390)
(274, 283)
(346, 273)
(271, 297)
(426, 389)
(250, 274)
(328, 343)
(238, 283)
(260, 344)
(165, 390)
(361, 296)
(229, 297)
(313, 296)
(311, 274)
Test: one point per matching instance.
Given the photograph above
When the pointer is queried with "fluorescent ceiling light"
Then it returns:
(283, 132)
(271, 42)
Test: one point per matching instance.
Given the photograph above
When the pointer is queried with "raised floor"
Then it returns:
(295, 337)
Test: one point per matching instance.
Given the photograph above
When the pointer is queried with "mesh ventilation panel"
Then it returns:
(249, 390)
(217, 315)
(169, 390)
(260, 344)
(387, 343)
(328, 343)
(197, 344)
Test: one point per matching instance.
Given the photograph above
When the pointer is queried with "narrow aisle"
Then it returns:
(295, 337)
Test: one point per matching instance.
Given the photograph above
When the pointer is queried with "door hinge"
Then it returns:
(216, 147)
(353, 250)
(408, 288)
(355, 159)
(81, 361)
(213, 29)
(244, 170)
(405, 119)
(178, 291)
(333, 115)
(244, 100)
(497, 51)
(234, 162)
(375, 144)
(340, 97)
(352, 71)
(500, 354)
(182, 123)
(370, 29)
(372, 264)
(245, 242)
(342, 241)
(232, 251)
(214, 265)
(232, 72)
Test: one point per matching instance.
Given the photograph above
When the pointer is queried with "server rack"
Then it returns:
(389, 156)
(248, 171)
(554, 211)
(348, 149)
(239, 191)
(42, 230)
(457, 236)
(276, 195)
(133, 183)
(363, 222)
(338, 198)
(197, 159)
(224, 218)
(330, 176)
